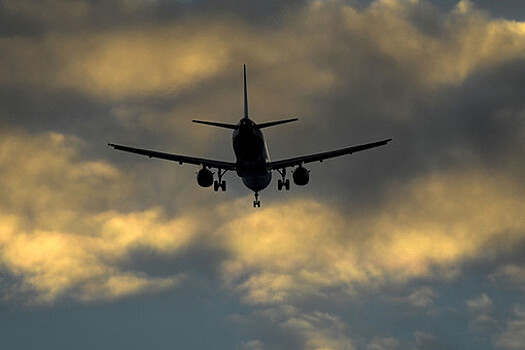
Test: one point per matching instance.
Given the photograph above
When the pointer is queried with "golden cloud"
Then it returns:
(61, 233)
(428, 226)
(55, 233)
(114, 65)
(464, 41)
(54, 263)
(169, 58)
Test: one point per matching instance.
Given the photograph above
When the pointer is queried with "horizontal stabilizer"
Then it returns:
(277, 122)
(220, 125)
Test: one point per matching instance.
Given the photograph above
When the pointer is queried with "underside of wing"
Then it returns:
(217, 164)
(319, 157)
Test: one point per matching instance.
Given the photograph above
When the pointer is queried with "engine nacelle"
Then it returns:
(205, 178)
(301, 176)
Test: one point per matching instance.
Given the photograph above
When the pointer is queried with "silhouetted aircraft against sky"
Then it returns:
(253, 163)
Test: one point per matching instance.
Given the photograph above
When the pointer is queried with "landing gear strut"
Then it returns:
(256, 202)
(283, 181)
(220, 183)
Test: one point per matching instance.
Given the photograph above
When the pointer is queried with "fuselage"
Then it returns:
(252, 155)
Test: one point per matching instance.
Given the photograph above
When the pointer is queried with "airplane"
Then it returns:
(253, 164)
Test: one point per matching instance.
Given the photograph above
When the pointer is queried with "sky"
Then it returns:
(415, 245)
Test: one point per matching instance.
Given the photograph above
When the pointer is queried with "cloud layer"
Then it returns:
(82, 223)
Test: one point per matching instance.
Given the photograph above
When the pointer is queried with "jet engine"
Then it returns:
(205, 177)
(301, 176)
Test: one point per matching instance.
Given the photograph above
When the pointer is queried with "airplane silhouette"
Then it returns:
(253, 164)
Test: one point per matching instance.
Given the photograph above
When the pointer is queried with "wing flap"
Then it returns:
(280, 164)
(217, 164)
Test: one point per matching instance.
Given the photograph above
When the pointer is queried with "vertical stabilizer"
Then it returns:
(245, 96)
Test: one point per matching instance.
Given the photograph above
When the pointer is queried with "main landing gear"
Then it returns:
(256, 202)
(220, 183)
(283, 181)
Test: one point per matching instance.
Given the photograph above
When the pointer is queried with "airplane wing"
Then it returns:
(216, 164)
(280, 164)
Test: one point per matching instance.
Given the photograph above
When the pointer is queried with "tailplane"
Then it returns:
(220, 125)
(277, 122)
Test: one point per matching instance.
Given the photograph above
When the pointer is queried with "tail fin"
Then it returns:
(245, 96)
(277, 122)
(220, 125)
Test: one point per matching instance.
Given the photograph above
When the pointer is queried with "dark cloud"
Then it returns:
(29, 18)
(509, 9)
(506, 8)
(197, 260)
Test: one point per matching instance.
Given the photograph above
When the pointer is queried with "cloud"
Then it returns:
(63, 235)
(482, 304)
(175, 56)
(419, 298)
(58, 234)
(49, 12)
(511, 274)
(513, 336)
(383, 344)
(78, 15)
(482, 317)
(319, 330)
(426, 340)
(447, 191)
(115, 65)
(307, 247)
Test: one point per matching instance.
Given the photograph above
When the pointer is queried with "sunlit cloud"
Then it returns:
(53, 238)
(304, 247)
(165, 59)
(288, 250)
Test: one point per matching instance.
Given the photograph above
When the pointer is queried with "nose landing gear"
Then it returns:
(256, 202)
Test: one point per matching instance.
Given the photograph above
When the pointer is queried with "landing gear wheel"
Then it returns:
(221, 185)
